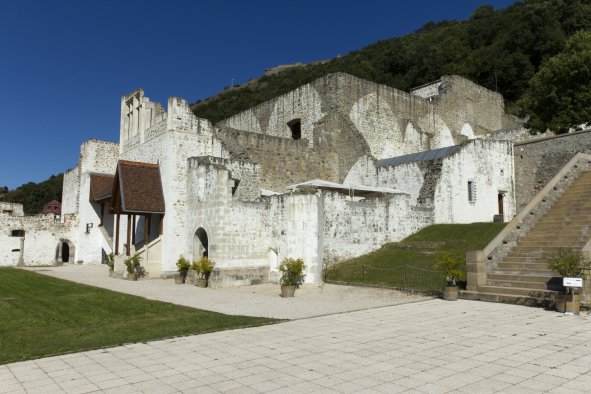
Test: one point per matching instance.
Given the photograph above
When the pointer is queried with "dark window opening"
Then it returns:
(235, 187)
(18, 233)
(296, 128)
(7, 211)
(471, 191)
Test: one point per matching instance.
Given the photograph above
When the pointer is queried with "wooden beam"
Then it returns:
(133, 230)
(145, 229)
(149, 227)
(117, 235)
(127, 247)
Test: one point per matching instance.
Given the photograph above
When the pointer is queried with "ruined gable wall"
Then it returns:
(537, 161)
(461, 101)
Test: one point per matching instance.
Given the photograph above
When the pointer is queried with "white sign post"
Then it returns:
(572, 283)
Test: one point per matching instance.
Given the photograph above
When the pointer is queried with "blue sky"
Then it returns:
(65, 64)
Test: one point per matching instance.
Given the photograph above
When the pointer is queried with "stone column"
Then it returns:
(476, 269)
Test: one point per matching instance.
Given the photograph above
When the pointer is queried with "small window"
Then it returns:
(17, 233)
(7, 211)
(471, 191)
(296, 128)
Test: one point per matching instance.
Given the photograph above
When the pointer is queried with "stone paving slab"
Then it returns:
(424, 347)
(259, 300)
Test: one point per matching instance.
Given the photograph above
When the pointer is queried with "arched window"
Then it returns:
(295, 126)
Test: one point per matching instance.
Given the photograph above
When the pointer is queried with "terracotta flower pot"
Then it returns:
(131, 276)
(201, 282)
(179, 279)
(111, 273)
(450, 293)
(287, 291)
(567, 303)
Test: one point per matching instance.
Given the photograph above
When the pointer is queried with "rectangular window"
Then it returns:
(471, 191)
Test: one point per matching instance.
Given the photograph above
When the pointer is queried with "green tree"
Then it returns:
(559, 93)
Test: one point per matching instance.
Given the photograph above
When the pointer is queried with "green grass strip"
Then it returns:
(43, 316)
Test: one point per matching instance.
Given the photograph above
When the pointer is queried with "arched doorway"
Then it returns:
(65, 251)
(200, 244)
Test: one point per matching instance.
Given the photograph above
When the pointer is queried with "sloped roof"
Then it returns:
(419, 156)
(359, 190)
(101, 186)
(138, 187)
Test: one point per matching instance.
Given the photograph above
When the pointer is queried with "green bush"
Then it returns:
(292, 272)
(204, 267)
(182, 265)
(568, 263)
(451, 264)
(133, 263)
(110, 260)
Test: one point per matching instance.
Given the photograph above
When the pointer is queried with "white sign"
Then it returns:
(572, 282)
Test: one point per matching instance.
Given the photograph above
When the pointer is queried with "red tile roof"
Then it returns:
(101, 186)
(140, 187)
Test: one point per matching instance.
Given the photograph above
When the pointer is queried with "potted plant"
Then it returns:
(203, 268)
(182, 266)
(292, 275)
(110, 261)
(133, 266)
(451, 265)
(569, 264)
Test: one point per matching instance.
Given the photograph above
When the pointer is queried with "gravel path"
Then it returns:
(259, 300)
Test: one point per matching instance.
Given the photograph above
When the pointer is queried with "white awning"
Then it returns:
(357, 190)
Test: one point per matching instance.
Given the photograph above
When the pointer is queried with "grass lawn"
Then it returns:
(409, 263)
(43, 316)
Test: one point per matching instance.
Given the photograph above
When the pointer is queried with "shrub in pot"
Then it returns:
(134, 268)
(203, 268)
(569, 264)
(451, 265)
(110, 261)
(182, 266)
(292, 275)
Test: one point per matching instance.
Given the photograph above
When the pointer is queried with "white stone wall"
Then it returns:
(95, 157)
(489, 165)
(11, 209)
(71, 190)
(42, 237)
(355, 227)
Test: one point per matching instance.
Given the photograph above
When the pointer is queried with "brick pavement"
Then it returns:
(425, 347)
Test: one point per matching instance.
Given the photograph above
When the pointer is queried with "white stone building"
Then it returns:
(331, 170)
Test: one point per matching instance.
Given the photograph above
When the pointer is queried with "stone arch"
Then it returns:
(65, 251)
(200, 244)
(467, 131)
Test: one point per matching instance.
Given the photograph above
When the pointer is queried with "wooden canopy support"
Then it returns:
(128, 245)
(117, 235)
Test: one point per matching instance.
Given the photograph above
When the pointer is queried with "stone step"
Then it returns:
(516, 291)
(519, 266)
(520, 276)
(517, 284)
(545, 302)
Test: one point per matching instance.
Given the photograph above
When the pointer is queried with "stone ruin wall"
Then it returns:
(537, 161)
(462, 101)
(345, 119)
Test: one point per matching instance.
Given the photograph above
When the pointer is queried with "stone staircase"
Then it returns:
(520, 275)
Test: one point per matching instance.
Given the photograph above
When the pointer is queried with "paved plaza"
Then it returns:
(424, 346)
